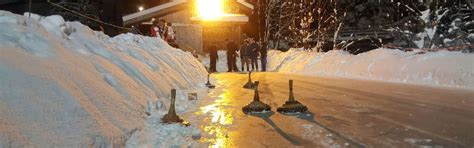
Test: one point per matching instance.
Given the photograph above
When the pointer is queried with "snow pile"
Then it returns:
(64, 85)
(443, 68)
(156, 134)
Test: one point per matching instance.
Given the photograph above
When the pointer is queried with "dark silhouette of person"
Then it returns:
(213, 56)
(231, 56)
(154, 29)
(263, 56)
(244, 56)
(253, 51)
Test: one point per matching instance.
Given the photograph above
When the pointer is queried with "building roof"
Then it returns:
(8, 1)
(177, 5)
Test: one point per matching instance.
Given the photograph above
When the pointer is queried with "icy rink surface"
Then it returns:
(341, 113)
(65, 85)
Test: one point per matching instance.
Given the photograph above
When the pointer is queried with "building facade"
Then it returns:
(192, 33)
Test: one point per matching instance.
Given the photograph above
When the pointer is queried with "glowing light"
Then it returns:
(210, 9)
(218, 114)
(140, 8)
(220, 117)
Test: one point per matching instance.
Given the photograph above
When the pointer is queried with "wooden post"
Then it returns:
(292, 97)
(171, 117)
(172, 110)
(256, 97)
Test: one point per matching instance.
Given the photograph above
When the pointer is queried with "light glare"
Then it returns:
(210, 9)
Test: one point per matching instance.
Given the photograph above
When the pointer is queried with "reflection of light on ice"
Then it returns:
(221, 138)
(219, 117)
(218, 114)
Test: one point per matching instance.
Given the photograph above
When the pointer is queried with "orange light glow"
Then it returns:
(210, 9)
(219, 118)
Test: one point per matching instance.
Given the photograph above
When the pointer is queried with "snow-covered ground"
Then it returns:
(64, 85)
(157, 134)
(443, 68)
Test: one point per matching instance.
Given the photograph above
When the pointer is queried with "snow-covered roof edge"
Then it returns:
(166, 8)
(148, 13)
(246, 4)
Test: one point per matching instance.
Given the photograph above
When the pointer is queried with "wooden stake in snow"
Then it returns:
(249, 84)
(171, 117)
(208, 84)
(291, 97)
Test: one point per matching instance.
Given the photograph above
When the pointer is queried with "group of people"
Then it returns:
(163, 30)
(249, 52)
(160, 29)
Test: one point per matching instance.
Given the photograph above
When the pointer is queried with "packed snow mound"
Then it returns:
(157, 134)
(65, 85)
(443, 68)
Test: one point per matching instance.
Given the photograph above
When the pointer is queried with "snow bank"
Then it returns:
(64, 85)
(443, 68)
(156, 134)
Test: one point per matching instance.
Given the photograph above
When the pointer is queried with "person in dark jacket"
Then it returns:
(263, 56)
(244, 56)
(154, 29)
(231, 56)
(213, 56)
(253, 52)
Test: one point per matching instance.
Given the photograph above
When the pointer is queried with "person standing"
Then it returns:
(234, 48)
(228, 56)
(213, 56)
(231, 56)
(169, 32)
(162, 28)
(154, 29)
(263, 56)
(170, 35)
(253, 48)
(244, 56)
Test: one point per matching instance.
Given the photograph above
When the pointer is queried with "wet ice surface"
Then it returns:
(342, 113)
(223, 123)
(215, 118)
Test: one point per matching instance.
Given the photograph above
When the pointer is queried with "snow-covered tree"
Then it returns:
(329, 19)
(277, 21)
(449, 23)
(321, 23)
(302, 21)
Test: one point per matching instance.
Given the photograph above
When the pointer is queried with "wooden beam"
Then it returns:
(174, 6)
(2, 2)
(157, 11)
(245, 6)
